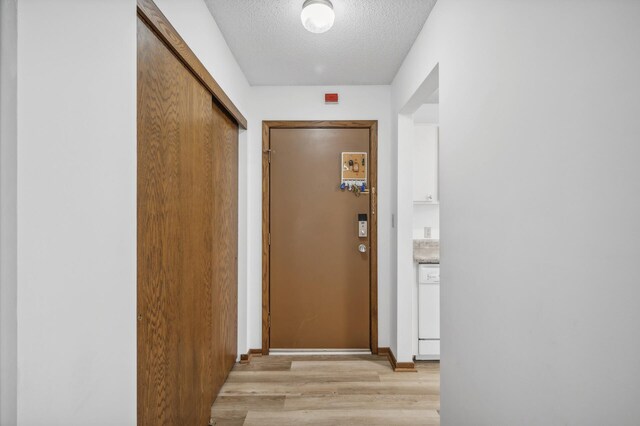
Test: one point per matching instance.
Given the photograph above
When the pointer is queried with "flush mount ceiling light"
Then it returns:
(317, 15)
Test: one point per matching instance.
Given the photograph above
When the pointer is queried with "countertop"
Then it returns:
(426, 251)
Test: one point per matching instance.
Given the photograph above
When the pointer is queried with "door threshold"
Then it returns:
(319, 352)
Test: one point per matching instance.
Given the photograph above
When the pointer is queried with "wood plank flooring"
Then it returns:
(328, 390)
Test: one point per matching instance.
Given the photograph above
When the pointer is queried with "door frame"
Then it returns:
(372, 125)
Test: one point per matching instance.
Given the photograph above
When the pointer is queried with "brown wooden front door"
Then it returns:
(319, 280)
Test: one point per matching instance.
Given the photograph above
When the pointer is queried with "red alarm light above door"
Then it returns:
(330, 98)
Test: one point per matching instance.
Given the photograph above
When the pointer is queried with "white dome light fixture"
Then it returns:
(317, 15)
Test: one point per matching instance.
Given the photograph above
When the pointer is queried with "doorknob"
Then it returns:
(362, 248)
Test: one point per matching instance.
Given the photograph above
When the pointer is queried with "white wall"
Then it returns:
(406, 279)
(539, 146)
(427, 114)
(8, 212)
(307, 103)
(77, 212)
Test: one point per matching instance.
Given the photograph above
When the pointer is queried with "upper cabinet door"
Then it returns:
(425, 164)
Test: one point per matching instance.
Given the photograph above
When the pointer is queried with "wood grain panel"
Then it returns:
(175, 124)
(187, 240)
(225, 256)
(321, 124)
(195, 205)
(373, 207)
(151, 14)
(266, 212)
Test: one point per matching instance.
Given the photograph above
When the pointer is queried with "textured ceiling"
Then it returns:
(366, 45)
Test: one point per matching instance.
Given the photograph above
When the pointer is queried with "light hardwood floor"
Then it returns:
(328, 390)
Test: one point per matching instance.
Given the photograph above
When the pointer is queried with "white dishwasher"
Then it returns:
(428, 312)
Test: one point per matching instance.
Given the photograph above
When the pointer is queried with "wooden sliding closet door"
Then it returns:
(187, 240)
(225, 266)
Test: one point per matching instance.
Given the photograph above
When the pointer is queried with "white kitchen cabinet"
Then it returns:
(425, 163)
